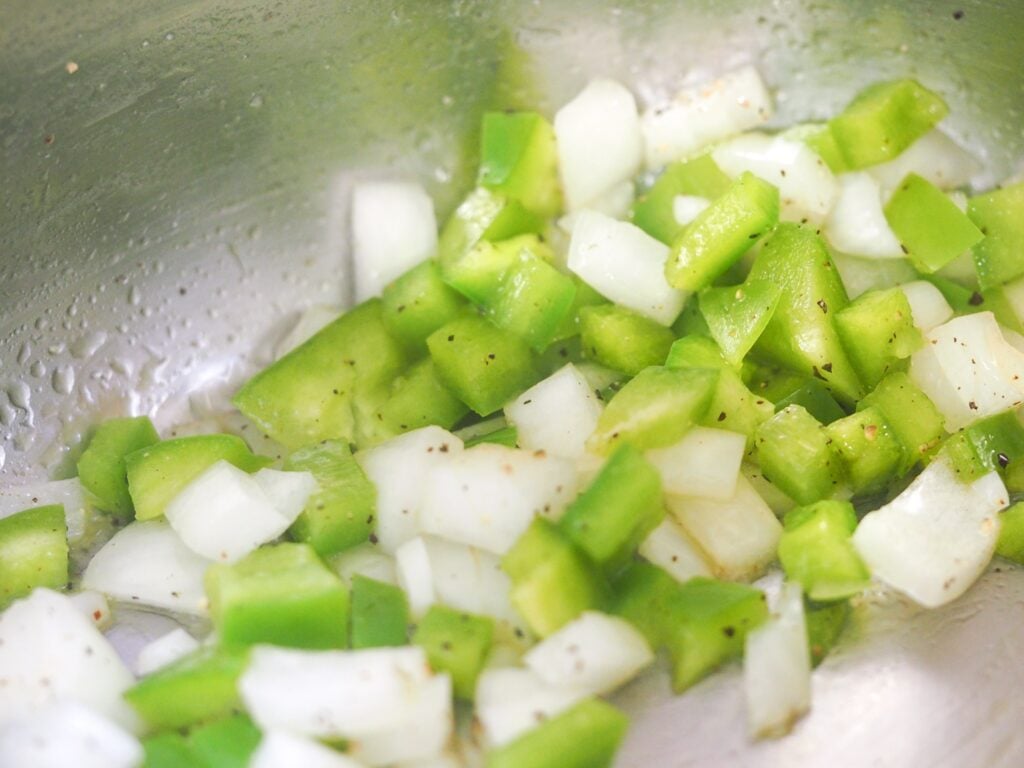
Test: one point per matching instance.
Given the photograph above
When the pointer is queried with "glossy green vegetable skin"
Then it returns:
(737, 315)
(340, 513)
(722, 233)
(198, 688)
(914, 419)
(418, 398)
(654, 210)
(825, 624)
(987, 445)
(532, 300)
(417, 304)
(518, 158)
(101, 467)
(584, 736)
(815, 550)
(868, 450)
(794, 454)
(999, 215)
(878, 333)
(33, 552)
(801, 334)
(311, 393)
(158, 473)
(281, 595)
(1011, 533)
(227, 743)
(380, 614)
(621, 339)
(456, 643)
(617, 510)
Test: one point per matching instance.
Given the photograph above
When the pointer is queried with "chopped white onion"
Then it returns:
(424, 731)
(415, 575)
(670, 547)
(488, 495)
(625, 264)
(393, 229)
(599, 142)
(807, 188)
(280, 749)
(969, 370)
(927, 304)
(94, 606)
(557, 415)
(686, 208)
(857, 223)
(399, 469)
(935, 157)
(146, 563)
(739, 535)
(933, 540)
(777, 668)
(67, 734)
(510, 701)
(702, 114)
(705, 462)
(69, 493)
(366, 560)
(165, 650)
(51, 653)
(594, 652)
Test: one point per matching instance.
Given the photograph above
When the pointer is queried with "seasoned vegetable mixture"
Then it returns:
(651, 357)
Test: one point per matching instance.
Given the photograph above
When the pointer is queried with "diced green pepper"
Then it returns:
(654, 211)
(380, 614)
(737, 315)
(819, 137)
(815, 550)
(931, 229)
(722, 233)
(999, 215)
(158, 473)
(987, 445)
(912, 416)
(309, 394)
(654, 409)
(532, 300)
(811, 394)
(1011, 533)
(484, 366)
(584, 297)
(616, 512)
(883, 120)
(282, 595)
(417, 304)
(553, 581)
(868, 449)
(622, 339)
(101, 467)
(585, 736)
(878, 334)
(170, 750)
(825, 624)
(506, 435)
(198, 688)
(227, 743)
(518, 158)
(794, 454)
(340, 512)
(801, 334)
(417, 399)
(456, 643)
(33, 552)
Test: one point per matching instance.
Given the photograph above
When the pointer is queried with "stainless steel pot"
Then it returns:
(173, 191)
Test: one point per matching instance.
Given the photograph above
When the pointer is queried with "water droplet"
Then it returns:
(21, 395)
(256, 101)
(121, 366)
(87, 345)
(3, 457)
(169, 36)
(24, 353)
(7, 415)
(37, 369)
(63, 379)
(134, 296)
(145, 43)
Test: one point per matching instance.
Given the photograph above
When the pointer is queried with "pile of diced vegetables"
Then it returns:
(649, 358)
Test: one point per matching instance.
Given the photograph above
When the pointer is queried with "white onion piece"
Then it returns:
(309, 322)
(444, 760)
(614, 203)
(807, 188)
(68, 734)
(51, 653)
(777, 668)
(670, 547)
(146, 563)
(686, 208)
(594, 652)
(739, 535)
(424, 731)
(933, 540)
(488, 495)
(935, 157)
(415, 575)
(94, 606)
(927, 304)
(706, 462)
(69, 493)
(556, 415)
(399, 469)
(280, 749)
(393, 229)
(624, 264)
(969, 370)
(702, 114)
(225, 513)
(778, 501)
(510, 701)
(366, 560)
(333, 694)
(857, 223)
(860, 275)
(599, 142)
(164, 650)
